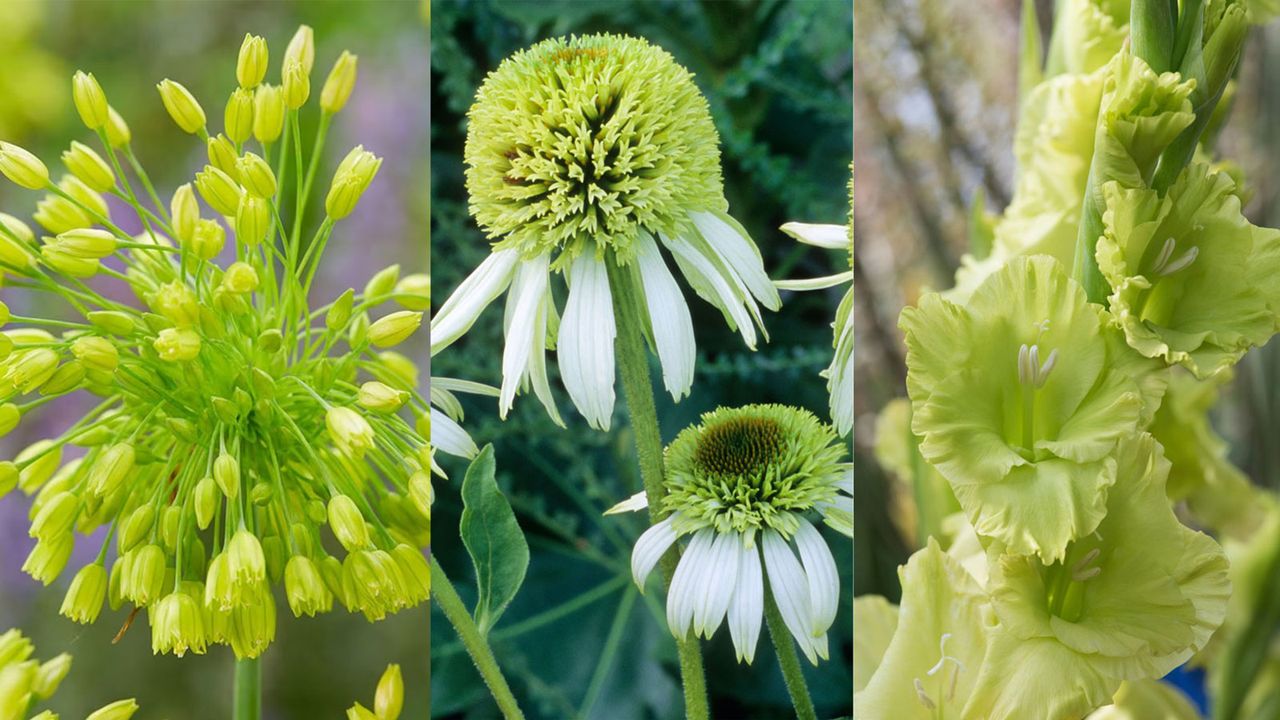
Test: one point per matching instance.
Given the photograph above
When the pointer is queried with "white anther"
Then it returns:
(955, 677)
(1186, 259)
(923, 697)
(1086, 574)
(1025, 372)
(1042, 374)
(1166, 252)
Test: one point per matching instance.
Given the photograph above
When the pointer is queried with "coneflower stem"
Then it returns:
(633, 365)
(787, 659)
(477, 647)
(248, 690)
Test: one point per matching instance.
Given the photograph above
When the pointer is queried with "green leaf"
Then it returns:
(494, 540)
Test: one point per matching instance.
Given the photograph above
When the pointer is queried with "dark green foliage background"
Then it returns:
(578, 641)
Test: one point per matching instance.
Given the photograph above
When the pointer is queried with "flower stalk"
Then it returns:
(248, 690)
(788, 660)
(443, 592)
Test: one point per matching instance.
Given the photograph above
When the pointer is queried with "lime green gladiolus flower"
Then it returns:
(1133, 599)
(1020, 397)
(1193, 281)
(1144, 699)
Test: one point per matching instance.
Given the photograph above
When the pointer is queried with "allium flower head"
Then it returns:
(233, 417)
(745, 483)
(584, 156)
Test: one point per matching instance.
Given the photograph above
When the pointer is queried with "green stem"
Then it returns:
(787, 658)
(477, 647)
(248, 690)
(633, 365)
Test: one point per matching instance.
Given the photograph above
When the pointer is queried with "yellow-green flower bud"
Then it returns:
(297, 85)
(388, 701)
(32, 369)
(360, 712)
(251, 66)
(226, 472)
(246, 564)
(240, 278)
(252, 625)
(348, 523)
(305, 588)
(401, 367)
(380, 397)
(23, 168)
(268, 113)
(391, 330)
(177, 344)
(145, 582)
(225, 410)
(89, 166)
(96, 352)
(90, 101)
(91, 199)
(219, 190)
(341, 81)
(349, 430)
(339, 313)
(185, 212)
(8, 477)
(177, 304)
(415, 570)
(48, 558)
(253, 220)
(110, 469)
(10, 415)
(239, 115)
(88, 591)
(256, 175)
(16, 240)
(222, 155)
(118, 133)
(69, 265)
(50, 675)
(302, 48)
(414, 291)
(118, 710)
(86, 243)
(57, 516)
(65, 379)
(57, 214)
(177, 626)
(39, 461)
(169, 520)
(113, 321)
(182, 106)
(350, 180)
(4, 313)
(208, 240)
(382, 282)
(207, 501)
(135, 528)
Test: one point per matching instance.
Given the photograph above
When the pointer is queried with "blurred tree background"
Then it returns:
(936, 96)
(317, 667)
(579, 641)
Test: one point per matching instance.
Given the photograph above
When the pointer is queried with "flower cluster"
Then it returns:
(25, 683)
(1051, 390)
(241, 436)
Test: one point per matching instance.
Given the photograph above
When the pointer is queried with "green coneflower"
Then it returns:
(26, 683)
(744, 483)
(235, 422)
(584, 156)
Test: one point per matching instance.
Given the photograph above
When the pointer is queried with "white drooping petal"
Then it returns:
(650, 548)
(790, 589)
(840, 374)
(538, 359)
(711, 286)
(585, 343)
(639, 501)
(481, 287)
(818, 283)
(717, 587)
(688, 581)
(746, 609)
(668, 316)
(448, 436)
(734, 246)
(832, 237)
(520, 327)
(824, 579)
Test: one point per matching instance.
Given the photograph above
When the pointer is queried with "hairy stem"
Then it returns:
(477, 647)
(787, 659)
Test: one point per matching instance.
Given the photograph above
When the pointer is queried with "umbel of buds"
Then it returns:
(241, 440)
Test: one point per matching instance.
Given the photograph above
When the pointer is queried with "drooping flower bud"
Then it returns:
(185, 211)
(50, 675)
(391, 330)
(226, 472)
(48, 558)
(91, 200)
(177, 626)
(118, 710)
(145, 584)
(55, 517)
(341, 81)
(350, 180)
(305, 588)
(135, 528)
(207, 501)
(118, 133)
(32, 369)
(349, 430)
(246, 564)
(182, 106)
(89, 166)
(208, 240)
(347, 523)
(89, 99)
(88, 591)
(10, 416)
(57, 214)
(177, 303)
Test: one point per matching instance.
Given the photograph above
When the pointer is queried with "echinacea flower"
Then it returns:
(744, 484)
(1019, 398)
(233, 438)
(585, 156)
(840, 373)
(26, 683)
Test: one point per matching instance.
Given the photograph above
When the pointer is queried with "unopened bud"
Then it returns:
(240, 278)
(341, 81)
(177, 344)
(208, 239)
(226, 472)
(256, 175)
(348, 524)
(118, 133)
(84, 599)
(380, 397)
(268, 113)
(238, 117)
(297, 86)
(414, 291)
(222, 155)
(391, 330)
(23, 168)
(251, 66)
(89, 166)
(89, 99)
(86, 243)
(185, 211)
(219, 190)
(182, 106)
